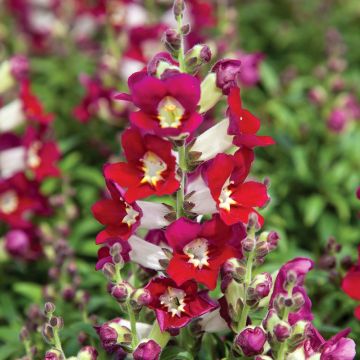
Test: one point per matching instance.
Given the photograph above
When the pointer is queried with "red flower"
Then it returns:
(120, 218)
(200, 249)
(351, 282)
(32, 107)
(167, 106)
(235, 199)
(150, 169)
(97, 100)
(41, 156)
(176, 306)
(18, 196)
(243, 124)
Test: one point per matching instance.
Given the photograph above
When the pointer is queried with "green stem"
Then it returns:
(118, 277)
(247, 281)
(284, 345)
(57, 342)
(181, 192)
(181, 56)
(157, 335)
(132, 318)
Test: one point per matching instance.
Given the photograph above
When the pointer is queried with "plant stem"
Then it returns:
(57, 342)
(157, 335)
(247, 281)
(180, 193)
(181, 56)
(135, 339)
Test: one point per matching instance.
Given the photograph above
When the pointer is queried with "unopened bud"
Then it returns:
(185, 29)
(282, 331)
(251, 341)
(48, 333)
(120, 292)
(147, 350)
(57, 322)
(248, 244)
(109, 271)
(172, 40)
(179, 7)
(24, 334)
(141, 297)
(227, 72)
(197, 56)
(259, 287)
(49, 308)
(210, 93)
(54, 354)
(87, 353)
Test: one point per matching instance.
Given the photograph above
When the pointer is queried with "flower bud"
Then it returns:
(53, 354)
(24, 334)
(195, 57)
(109, 271)
(259, 287)
(141, 297)
(48, 333)
(179, 7)
(235, 267)
(327, 262)
(251, 341)
(120, 292)
(210, 93)
(172, 40)
(282, 331)
(248, 244)
(17, 243)
(56, 322)
(49, 308)
(87, 353)
(227, 72)
(161, 63)
(112, 335)
(298, 333)
(147, 350)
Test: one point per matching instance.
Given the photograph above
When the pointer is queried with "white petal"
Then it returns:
(213, 322)
(213, 141)
(135, 15)
(153, 215)
(145, 253)
(11, 116)
(128, 66)
(201, 197)
(142, 329)
(12, 161)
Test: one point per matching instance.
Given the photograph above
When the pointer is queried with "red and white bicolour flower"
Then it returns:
(150, 169)
(235, 199)
(119, 217)
(201, 249)
(41, 156)
(175, 306)
(168, 107)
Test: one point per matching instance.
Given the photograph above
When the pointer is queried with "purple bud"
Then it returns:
(87, 353)
(172, 40)
(281, 332)
(260, 287)
(19, 67)
(251, 341)
(53, 355)
(147, 350)
(112, 335)
(273, 239)
(49, 308)
(227, 73)
(120, 292)
(337, 120)
(17, 243)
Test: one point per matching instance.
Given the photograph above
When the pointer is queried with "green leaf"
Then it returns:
(175, 352)
(314, 206)
(30, 290)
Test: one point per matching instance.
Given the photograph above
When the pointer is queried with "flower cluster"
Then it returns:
(27, 158)
(191, 190)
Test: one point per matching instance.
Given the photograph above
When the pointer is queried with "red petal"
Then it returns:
(132, 144)
(251, 194)
(350, 284)
(122, 173)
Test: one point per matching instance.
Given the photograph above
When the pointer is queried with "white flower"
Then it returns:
(153, 215)
(213, 322)
(11, 116)
(213, 141)
(12, 161)
(146, 254)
